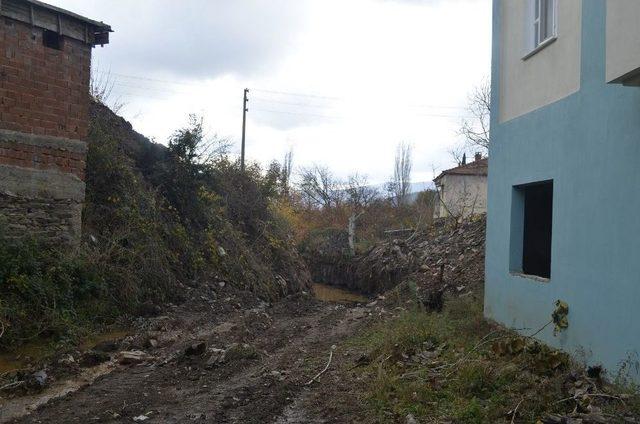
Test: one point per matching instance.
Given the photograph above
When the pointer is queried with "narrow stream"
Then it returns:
(334, 294)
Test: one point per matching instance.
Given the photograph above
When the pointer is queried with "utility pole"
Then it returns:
(244, 126)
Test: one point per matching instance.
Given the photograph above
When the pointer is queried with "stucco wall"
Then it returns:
(462, 195)
(588, 143)
(623, 38)
(549, 75)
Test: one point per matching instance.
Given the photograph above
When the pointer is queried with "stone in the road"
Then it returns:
(133, 357)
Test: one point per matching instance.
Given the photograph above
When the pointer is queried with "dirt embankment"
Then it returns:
(445, 254)
(225, 230)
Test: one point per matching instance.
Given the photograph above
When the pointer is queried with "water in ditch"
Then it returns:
(328, 293)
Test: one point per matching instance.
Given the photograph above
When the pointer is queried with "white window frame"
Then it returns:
(536, 16)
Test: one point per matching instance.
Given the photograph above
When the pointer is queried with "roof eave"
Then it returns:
(97, 24)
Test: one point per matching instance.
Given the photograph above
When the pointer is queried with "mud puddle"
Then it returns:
(327, 293)
(29, 355)
(19, 407)
(110, 336)
(24, 357)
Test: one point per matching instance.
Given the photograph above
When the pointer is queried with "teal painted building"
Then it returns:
(564, 175)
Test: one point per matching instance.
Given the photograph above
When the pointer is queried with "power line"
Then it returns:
(433, 115)
(436, 115)
(286, 93)
(125, 88)
(143, 92)
(289, 103)
(192, 84)
(297, 113)
(156, 89)
(438, 107)
(282, 93)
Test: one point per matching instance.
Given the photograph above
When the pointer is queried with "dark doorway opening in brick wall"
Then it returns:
(52, 39)
(532, 229)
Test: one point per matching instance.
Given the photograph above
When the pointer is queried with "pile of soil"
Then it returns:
(444, 255)
(447, 254)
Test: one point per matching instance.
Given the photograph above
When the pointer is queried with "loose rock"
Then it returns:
(133, 357)
(196, 349)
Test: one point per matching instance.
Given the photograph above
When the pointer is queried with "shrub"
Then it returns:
(47, 294)
(154, 217)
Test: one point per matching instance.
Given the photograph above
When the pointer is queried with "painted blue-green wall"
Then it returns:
(589, 145)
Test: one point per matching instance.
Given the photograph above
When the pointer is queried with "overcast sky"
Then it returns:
(342, 82)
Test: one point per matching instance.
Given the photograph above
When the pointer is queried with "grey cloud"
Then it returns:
(280, 119)
(196, 38)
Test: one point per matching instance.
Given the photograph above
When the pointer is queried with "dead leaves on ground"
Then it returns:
(540, 358)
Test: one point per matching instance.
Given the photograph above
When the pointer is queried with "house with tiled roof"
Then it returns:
(462, 191)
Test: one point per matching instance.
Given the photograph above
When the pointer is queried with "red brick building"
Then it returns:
(45, 69)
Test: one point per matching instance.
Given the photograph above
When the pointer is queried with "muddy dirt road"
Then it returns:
(227, 359)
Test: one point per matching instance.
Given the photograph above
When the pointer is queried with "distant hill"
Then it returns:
(416, 188)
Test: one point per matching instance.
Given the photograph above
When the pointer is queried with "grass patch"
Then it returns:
(237, 352)
(456, 367)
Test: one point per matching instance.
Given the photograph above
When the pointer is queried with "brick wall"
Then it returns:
(44, 119)
(42, 157)
(42, 90)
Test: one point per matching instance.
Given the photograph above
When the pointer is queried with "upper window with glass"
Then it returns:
(542, 24)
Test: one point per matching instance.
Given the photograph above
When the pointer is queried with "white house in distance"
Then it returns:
(462, 191)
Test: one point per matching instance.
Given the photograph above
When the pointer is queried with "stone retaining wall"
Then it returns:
(41, 186)
(53, 220)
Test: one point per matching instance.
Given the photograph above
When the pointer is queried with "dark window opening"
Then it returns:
(538, 216)
(52, 39)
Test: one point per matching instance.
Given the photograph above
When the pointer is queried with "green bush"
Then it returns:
(154, 217)
(46, 294)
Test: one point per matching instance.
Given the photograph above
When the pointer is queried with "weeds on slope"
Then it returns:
(155, 220)
(47, 294)
(455, 367)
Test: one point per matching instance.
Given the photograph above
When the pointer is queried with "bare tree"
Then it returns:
(319, 187)
(359, 193)
(213, 148)
(101, 86)
(476, 129)
(458, 154)
(400, 185)
(285, 173)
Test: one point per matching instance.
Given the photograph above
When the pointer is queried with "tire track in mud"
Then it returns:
(292, 340)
